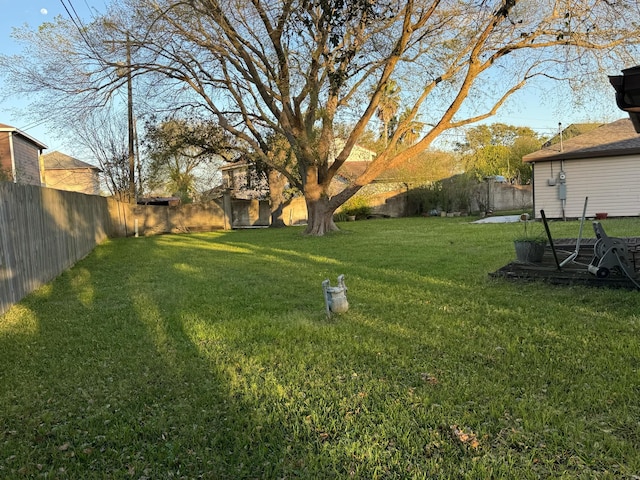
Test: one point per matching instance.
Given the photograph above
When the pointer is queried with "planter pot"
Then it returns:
(351, 218)
(529, 251)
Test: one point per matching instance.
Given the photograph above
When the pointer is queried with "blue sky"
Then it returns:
(17, 13)
(541, 110)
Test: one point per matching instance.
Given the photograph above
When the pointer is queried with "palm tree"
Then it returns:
(411, 130)
(388, 106)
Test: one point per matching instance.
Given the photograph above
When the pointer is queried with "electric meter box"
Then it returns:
(562, 191)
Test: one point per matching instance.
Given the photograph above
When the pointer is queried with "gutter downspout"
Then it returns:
(533, 187)
(563, 200)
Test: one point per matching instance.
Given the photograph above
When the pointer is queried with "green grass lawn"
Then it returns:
(210, 356)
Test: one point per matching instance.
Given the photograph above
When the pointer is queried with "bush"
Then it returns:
(358, 206)
(425, 198)
(339, 217)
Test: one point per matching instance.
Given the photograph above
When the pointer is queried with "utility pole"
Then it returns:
(560, 135)
(132, 157)
(122, 71)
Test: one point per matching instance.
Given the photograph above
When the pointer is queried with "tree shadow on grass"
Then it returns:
(476, 343)
(209, 356)
(120, 374)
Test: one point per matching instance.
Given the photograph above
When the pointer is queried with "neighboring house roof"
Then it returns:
(60, 161)
(612, 139)
(10, 129)
(234, 165)
(358, 153)
(352, 170)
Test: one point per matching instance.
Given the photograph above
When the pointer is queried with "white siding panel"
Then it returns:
(27, 161)
(611, 183)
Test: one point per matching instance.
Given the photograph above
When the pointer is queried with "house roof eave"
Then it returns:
(582, 155)
(10, 129)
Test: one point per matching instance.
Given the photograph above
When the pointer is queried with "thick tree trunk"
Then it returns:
(277, 182)
(319, 216)
(276, 216)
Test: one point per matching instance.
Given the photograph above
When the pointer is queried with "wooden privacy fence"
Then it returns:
(153, 220)
(42, 233)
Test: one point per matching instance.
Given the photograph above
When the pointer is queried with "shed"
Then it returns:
(160, 201)
(602, 164)
(19, 156)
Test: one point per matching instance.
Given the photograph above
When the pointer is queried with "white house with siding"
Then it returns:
(603, 164)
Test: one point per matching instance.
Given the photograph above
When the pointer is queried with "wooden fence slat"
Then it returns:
(42, 233)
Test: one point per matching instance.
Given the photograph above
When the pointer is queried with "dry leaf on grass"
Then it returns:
(468, 439)
(429, 378)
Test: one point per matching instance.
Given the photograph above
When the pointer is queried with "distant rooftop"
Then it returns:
(571, 131)
(61, 161)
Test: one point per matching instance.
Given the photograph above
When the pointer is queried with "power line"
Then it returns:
(77, 21)
(66, 8)
(75, 12)
(34, 124)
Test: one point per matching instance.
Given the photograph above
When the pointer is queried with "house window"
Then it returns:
(228, 180)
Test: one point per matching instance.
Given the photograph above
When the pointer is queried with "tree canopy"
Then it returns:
(182, 153)
(497, 149)
(296, 68)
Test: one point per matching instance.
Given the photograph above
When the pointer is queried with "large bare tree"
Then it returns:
(103, 136)
(298, 67)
